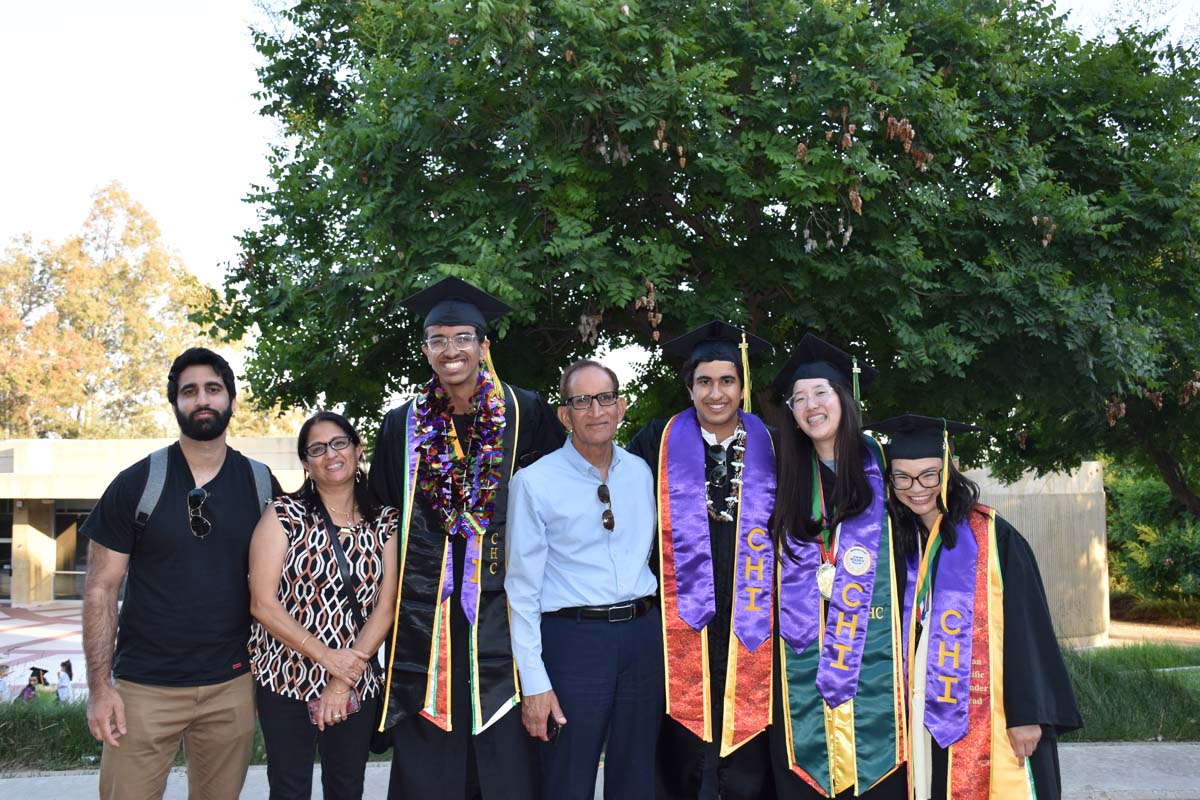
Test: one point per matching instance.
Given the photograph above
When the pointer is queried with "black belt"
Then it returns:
(621, 612)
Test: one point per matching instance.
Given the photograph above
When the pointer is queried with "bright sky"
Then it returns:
(157, 94)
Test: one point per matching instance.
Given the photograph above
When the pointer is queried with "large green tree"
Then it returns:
(90, 324)
(999, 215)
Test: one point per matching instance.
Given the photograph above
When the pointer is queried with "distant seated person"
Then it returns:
(37, 677)
(323, 570)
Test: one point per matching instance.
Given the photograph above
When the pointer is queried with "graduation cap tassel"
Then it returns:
(491, 368)
(745, 348)
(855, 370)
(945, 464)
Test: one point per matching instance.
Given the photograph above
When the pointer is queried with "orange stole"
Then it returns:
(747, 697)
(982, 763)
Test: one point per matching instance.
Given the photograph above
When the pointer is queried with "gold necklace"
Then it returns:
(346, 530)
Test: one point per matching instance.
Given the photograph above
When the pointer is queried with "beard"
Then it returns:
(204, 429)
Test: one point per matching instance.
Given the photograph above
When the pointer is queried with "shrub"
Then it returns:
(1153, 544)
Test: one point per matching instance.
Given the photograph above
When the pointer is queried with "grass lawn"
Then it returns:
(1123, 698)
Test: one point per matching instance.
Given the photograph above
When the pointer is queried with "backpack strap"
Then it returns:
(262, 482)
(155, 480)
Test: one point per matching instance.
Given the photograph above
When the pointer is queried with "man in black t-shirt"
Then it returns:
(179, 669)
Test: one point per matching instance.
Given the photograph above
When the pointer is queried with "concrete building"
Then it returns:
(47, 489)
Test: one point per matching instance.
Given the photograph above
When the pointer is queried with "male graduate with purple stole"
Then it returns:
(714, 468)
(445, 459)
(988, 691)
(839, 721)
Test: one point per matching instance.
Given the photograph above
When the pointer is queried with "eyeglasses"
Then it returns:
(200, 526)
(438, 344)
(800, 400)
(606, 518)
(928, 479)
(719, 474)
(317, 449)
(582, 402)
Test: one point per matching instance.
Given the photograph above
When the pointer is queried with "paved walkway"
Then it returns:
(1090, 772)
(49, 633)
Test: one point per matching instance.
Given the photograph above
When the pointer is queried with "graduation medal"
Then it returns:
(825, 573)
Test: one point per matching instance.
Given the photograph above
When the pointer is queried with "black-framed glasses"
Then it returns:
(606, 518)
(929, 479)
(461, 341)
(200, 526)
(317, 449)
(719, 474)
(582, 402)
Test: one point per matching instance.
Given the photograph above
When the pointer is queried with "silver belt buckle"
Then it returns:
(621, 613)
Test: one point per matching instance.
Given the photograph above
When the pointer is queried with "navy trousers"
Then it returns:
(608, 677)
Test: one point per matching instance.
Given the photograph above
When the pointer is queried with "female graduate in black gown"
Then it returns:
(989, 691)
(837, 726)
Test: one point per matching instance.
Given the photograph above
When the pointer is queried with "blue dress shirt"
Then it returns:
(560, 556)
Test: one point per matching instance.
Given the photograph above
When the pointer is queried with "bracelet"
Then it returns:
(302, 641)
(335, 691)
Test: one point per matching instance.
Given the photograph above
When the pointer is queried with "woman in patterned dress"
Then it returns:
(311, 657)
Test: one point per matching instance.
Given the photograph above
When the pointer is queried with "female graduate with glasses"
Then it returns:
(988, 690)
(838, 725)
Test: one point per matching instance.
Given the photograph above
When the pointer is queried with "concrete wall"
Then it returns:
(1062, 518)
(34, 553)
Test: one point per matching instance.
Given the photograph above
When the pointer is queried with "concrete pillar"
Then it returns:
(34, 551)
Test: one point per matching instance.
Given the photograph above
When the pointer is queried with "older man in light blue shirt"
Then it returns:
(586, 632)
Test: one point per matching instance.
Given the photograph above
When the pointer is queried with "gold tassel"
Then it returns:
(491, 368)
(945, 463)
(745, 348)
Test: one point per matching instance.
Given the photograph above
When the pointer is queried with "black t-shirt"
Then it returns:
(186, 616)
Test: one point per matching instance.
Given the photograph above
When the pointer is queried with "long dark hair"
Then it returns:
(307, 494)
(792, 520)
(962, 494)
(66, 667)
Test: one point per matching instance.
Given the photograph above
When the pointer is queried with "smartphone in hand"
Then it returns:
(314, 708)
(552, 726)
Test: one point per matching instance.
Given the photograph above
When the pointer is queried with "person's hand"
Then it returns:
(106, 715)
(335, 704)
(1024, 739)
(346, 663)
(536, 709)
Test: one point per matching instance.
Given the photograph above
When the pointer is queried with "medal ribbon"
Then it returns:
(850, 606)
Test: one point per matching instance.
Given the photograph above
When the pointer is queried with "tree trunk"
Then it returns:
(1172, 475)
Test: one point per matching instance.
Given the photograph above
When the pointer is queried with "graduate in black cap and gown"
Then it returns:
(445, 459)
(714, 469)
(989, 693)
(839, 687)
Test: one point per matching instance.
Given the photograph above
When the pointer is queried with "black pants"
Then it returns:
(291, 740)
(608, 677)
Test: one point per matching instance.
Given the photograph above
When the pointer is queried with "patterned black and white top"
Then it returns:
(310, 589)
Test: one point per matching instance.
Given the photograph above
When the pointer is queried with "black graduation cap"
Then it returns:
(39, 675)
(914, 436)
(816, 358)
(453, 301)
(715, 341)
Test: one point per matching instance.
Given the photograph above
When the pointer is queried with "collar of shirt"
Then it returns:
(711, 438)
(576, 459)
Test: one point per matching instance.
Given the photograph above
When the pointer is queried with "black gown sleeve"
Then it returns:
(645, 442)
(385, 479)
(546, 432)
(1037, 688)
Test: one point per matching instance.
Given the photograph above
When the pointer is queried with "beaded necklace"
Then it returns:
(737, 459)
(460, 489)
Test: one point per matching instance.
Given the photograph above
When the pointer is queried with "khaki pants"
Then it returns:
(215, 722)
